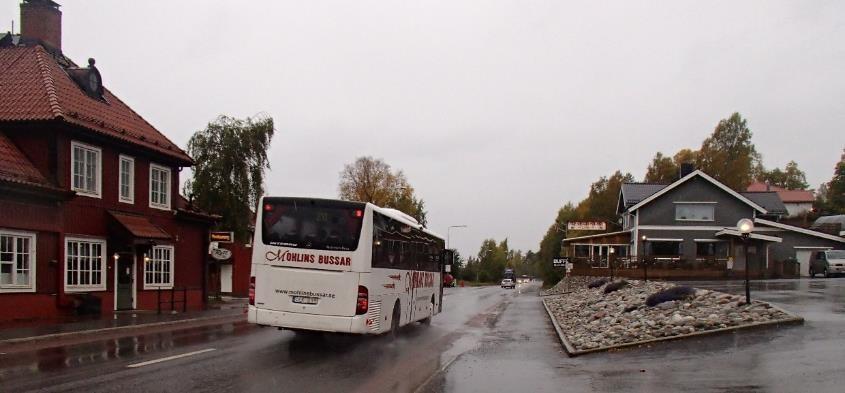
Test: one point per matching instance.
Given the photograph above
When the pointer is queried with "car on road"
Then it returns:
(827, 262)
(508, 283)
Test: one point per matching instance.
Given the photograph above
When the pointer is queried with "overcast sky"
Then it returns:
(498, 111)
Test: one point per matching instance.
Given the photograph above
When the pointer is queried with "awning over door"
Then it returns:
(139, 227)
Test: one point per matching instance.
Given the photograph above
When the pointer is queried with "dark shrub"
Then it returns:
(631, 308)
(668, 295)
(615, 286)
(597, 283)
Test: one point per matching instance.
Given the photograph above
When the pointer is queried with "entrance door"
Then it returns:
(125, 279)
(226, 278)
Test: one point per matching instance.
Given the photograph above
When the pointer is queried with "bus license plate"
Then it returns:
(305, 300)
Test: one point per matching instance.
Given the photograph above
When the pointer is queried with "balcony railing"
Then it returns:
(655, 262)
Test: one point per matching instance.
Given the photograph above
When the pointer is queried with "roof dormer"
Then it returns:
(88, 78)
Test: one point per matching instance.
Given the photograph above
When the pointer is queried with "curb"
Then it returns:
(792, 319)
(128, 329)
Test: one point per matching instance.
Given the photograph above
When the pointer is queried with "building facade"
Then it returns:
(90, 215)
(689, 229)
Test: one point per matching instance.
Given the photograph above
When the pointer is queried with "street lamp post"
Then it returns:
(645, 266)
(745, 226)
(610, 252)
(448, 232)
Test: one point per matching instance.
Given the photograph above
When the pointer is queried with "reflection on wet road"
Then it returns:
(521, 354)
(247, 358)
(486, 340)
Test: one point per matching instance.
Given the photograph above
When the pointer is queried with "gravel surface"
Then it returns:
(591, 319)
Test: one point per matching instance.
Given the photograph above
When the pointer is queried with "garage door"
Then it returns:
(803, 257)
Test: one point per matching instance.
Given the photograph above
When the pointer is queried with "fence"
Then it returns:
(172, 301)
(677, 267)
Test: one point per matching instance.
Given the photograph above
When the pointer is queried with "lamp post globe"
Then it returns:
(745, 226)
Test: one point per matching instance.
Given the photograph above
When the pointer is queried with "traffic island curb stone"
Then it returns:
(572, 352)
(121, 331)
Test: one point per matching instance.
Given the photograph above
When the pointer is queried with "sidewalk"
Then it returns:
(120, 323)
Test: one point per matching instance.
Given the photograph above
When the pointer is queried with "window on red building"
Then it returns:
(87, 165)
(17, 261)
(85, 265)
(158, 268)
(159, 187)
(127, 179)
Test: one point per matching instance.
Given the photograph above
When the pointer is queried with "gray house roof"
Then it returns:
(632, 193)
(769, 200)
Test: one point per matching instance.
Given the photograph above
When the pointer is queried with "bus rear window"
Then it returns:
(313, 224)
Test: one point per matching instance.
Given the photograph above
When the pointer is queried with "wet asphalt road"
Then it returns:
(486, 340)
(243, 358)
(521, 355)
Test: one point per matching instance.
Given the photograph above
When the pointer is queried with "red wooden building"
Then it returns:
(89, 206)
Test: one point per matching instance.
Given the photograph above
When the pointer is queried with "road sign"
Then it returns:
(560, 262)
(221, 236)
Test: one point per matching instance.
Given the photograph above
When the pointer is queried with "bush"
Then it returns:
(615, 286)
(597, 283)
(668, 295)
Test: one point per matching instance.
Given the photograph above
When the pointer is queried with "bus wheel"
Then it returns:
(394, 321)
(427, 321)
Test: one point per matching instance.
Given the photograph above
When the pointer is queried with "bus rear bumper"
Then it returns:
(324, 323)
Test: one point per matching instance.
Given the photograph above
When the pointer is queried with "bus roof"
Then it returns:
(403, 218)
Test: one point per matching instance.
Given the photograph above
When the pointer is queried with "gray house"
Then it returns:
(691, 225)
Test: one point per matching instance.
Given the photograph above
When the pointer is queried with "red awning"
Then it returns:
(140, 227)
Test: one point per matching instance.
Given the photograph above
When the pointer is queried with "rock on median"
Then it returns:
(591, 319)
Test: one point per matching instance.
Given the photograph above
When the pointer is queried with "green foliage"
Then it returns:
(833, 193)
(602, 201)
(728, 154)
(228, 176)
(372, 180)
(791, 178)
(550, 245)
(661, 170)
(685, 156)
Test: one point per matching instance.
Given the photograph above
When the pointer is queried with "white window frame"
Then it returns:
(710, 204)
(149, 258)
(98, 193)
(30, 287)
(160, 206)
(131, 161)
(103, 261)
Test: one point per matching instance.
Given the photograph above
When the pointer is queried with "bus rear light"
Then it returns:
(252, 291)
(268, 207)
(363, 303)
(359, 213)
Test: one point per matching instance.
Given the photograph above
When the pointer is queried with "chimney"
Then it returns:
(41, 21)
(686, 169)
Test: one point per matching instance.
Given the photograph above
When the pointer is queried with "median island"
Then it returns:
(593, 314)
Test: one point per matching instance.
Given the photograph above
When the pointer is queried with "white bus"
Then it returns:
(339, 266)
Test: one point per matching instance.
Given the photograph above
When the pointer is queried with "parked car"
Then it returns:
(449, 280)
(827, 262)
(508, 283)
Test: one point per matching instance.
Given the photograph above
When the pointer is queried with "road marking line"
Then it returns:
(147, 363)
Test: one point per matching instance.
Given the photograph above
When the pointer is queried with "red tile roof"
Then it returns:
(139, 226)
(787, 196)
(16, 168)
(34, 86)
